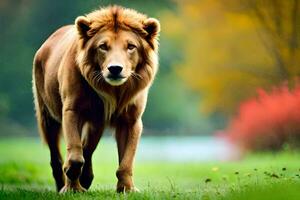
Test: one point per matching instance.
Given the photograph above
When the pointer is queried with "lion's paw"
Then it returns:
(69, 188)
(122, 188)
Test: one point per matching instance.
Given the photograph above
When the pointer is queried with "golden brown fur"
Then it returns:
(75, 92)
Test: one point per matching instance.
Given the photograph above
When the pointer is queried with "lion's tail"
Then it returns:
(38, 102)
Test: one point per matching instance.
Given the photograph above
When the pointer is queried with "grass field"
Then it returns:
(25, 174)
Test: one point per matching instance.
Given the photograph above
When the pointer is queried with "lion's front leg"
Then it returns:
(91, 135)
(74, 157)
(127, 136)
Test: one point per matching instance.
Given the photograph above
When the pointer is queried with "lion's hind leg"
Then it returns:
(49, 130)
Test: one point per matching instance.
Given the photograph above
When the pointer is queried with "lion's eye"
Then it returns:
(131, 47)
(103, 47)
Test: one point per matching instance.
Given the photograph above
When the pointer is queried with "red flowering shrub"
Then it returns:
(268, 121)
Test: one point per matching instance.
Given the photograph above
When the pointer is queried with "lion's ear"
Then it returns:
(83, 26)
(152, 27)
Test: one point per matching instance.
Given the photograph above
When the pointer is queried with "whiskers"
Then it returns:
(97, 77)
(136, 76)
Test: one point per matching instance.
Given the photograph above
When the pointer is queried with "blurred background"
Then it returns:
(228, 75)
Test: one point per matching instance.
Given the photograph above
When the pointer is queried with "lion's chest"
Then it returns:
(113, 107)
(109, 105)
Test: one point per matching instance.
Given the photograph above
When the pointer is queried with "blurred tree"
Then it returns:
(228, 52)
(280, 32)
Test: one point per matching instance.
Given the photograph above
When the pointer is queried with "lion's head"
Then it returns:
(118, 46)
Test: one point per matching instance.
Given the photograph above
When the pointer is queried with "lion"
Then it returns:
(89, 76)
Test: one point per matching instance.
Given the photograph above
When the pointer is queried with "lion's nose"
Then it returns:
(115, 69)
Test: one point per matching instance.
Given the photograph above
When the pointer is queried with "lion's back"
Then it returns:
(46, 66)
(54, 47)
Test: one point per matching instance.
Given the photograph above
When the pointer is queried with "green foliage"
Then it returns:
(173, 107)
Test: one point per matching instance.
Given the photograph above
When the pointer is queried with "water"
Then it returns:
(185, 149)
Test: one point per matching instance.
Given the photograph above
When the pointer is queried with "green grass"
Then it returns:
(25, 174)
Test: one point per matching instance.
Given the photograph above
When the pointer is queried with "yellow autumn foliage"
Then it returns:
(227, 50)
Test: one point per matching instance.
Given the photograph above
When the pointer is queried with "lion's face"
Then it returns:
(117, 55)
(117, 46)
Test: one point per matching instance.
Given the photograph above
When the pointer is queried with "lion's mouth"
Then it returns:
(115, 80)
(115, 77)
